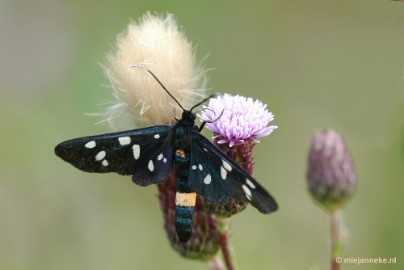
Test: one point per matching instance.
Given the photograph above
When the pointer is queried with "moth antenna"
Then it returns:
(211, 121)
(159, 82)
(203, 101)
(207, 108)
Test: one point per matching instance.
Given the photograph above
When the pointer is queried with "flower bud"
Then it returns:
(331, 174)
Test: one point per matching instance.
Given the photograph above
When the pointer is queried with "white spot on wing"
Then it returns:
(136, 151)
(207, 179)
(160, 157)
(150, 166)
(90, 144)
(223, 173)
(200, 167)
(194, 167)
(124, 140)
(164, 160)
(157, 136)
(227, 166)
(249, 183)
(100, 155)
(247, 192)
(105, 163)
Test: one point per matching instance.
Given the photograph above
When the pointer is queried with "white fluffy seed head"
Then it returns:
(157, 43)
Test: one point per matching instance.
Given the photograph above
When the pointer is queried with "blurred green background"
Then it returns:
(317, 64)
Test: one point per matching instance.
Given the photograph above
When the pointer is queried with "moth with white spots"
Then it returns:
(154, 153)
(148, 155)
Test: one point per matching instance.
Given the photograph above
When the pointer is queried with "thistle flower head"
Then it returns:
(330, 174)
(235, 119)
(236, 122)
(157, 44)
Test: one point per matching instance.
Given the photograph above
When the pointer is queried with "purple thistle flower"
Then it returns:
(236, 122)
(237, 119)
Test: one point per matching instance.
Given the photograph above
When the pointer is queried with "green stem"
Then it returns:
(215, 263)
(338, 238)
(227, 250)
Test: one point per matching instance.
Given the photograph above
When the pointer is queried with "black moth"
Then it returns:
(152, 154)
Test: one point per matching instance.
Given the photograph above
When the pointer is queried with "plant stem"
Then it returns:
(227, 250)
(336, 239)
(215, 263)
